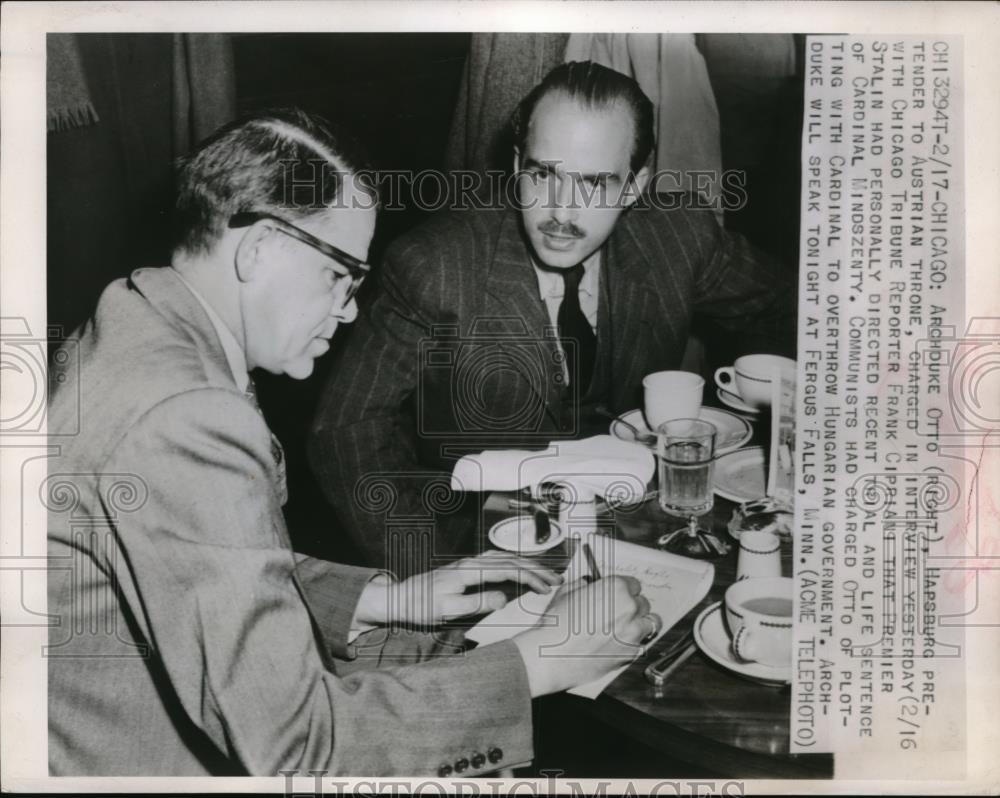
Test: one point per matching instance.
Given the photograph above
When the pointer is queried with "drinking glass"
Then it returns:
(685, 450)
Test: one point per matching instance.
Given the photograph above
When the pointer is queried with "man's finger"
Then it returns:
(535, 567)
(653, 624)
(476, 570)
(643, 628)
(472, 604)
(636, 631)
(528, 566)
(548, 574)
(571, 586)
(521, 575)
(641, 605)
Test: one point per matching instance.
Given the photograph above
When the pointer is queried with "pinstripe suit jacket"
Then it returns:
(456, 353)
(190, 640)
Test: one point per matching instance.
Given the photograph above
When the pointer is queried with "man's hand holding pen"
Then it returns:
(592, 626)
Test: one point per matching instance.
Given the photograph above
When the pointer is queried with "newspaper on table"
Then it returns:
(672, 584)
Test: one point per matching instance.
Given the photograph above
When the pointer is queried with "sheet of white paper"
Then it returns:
(672, 584)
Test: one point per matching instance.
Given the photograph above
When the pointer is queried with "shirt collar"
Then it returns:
(550, 282)
(235, 356)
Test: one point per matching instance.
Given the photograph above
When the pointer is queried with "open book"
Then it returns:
(672, 584)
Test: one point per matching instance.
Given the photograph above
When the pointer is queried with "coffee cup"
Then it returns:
(750, 377)
(759, 617)
(669, 395)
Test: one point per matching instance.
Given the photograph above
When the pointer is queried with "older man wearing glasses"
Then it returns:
(189, 638)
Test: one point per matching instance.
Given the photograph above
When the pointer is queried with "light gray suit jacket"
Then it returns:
(189, 639)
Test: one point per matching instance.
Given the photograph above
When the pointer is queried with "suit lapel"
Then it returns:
(632, 295)
(171, 297)
(511, 281)
(512, 289)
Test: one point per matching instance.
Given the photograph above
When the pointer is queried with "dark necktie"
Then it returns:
(575, 329)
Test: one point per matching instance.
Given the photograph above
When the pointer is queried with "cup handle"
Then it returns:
(741, 644)
(728, 372)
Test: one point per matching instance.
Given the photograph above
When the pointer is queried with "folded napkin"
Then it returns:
(601, 465)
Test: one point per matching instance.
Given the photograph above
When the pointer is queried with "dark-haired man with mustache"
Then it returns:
(513, 326)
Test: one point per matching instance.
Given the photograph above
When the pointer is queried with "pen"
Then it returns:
(595, 572)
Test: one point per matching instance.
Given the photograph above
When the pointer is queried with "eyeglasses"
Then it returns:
(357, 269)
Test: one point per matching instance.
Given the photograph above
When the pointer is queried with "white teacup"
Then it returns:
(751, 376)
(671, 394)
(759, 617)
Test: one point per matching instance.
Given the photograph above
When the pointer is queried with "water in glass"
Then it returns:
(686, 478)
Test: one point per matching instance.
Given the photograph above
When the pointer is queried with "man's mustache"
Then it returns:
(553, 228)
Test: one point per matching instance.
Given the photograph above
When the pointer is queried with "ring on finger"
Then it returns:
(653, 631)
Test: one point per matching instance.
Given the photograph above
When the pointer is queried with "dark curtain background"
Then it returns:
(109, 180)
(155, 95)
(395, 93)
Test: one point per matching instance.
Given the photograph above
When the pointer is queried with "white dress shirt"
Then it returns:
(551, 286)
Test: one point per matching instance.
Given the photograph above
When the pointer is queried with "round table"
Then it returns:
(705, 715)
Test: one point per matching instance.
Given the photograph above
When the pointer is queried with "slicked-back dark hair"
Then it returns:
(593, 86)
(284, 161)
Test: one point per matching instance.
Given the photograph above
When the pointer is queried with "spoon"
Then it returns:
(643, 436)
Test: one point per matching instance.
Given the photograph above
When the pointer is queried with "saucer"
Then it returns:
(712, 638)
(740, 476)
(729, 399)
(734, 431)
(517, 534)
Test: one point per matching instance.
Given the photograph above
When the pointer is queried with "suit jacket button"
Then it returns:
(478, 760)
(494, 755)
(461, 765)
(444, 771)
